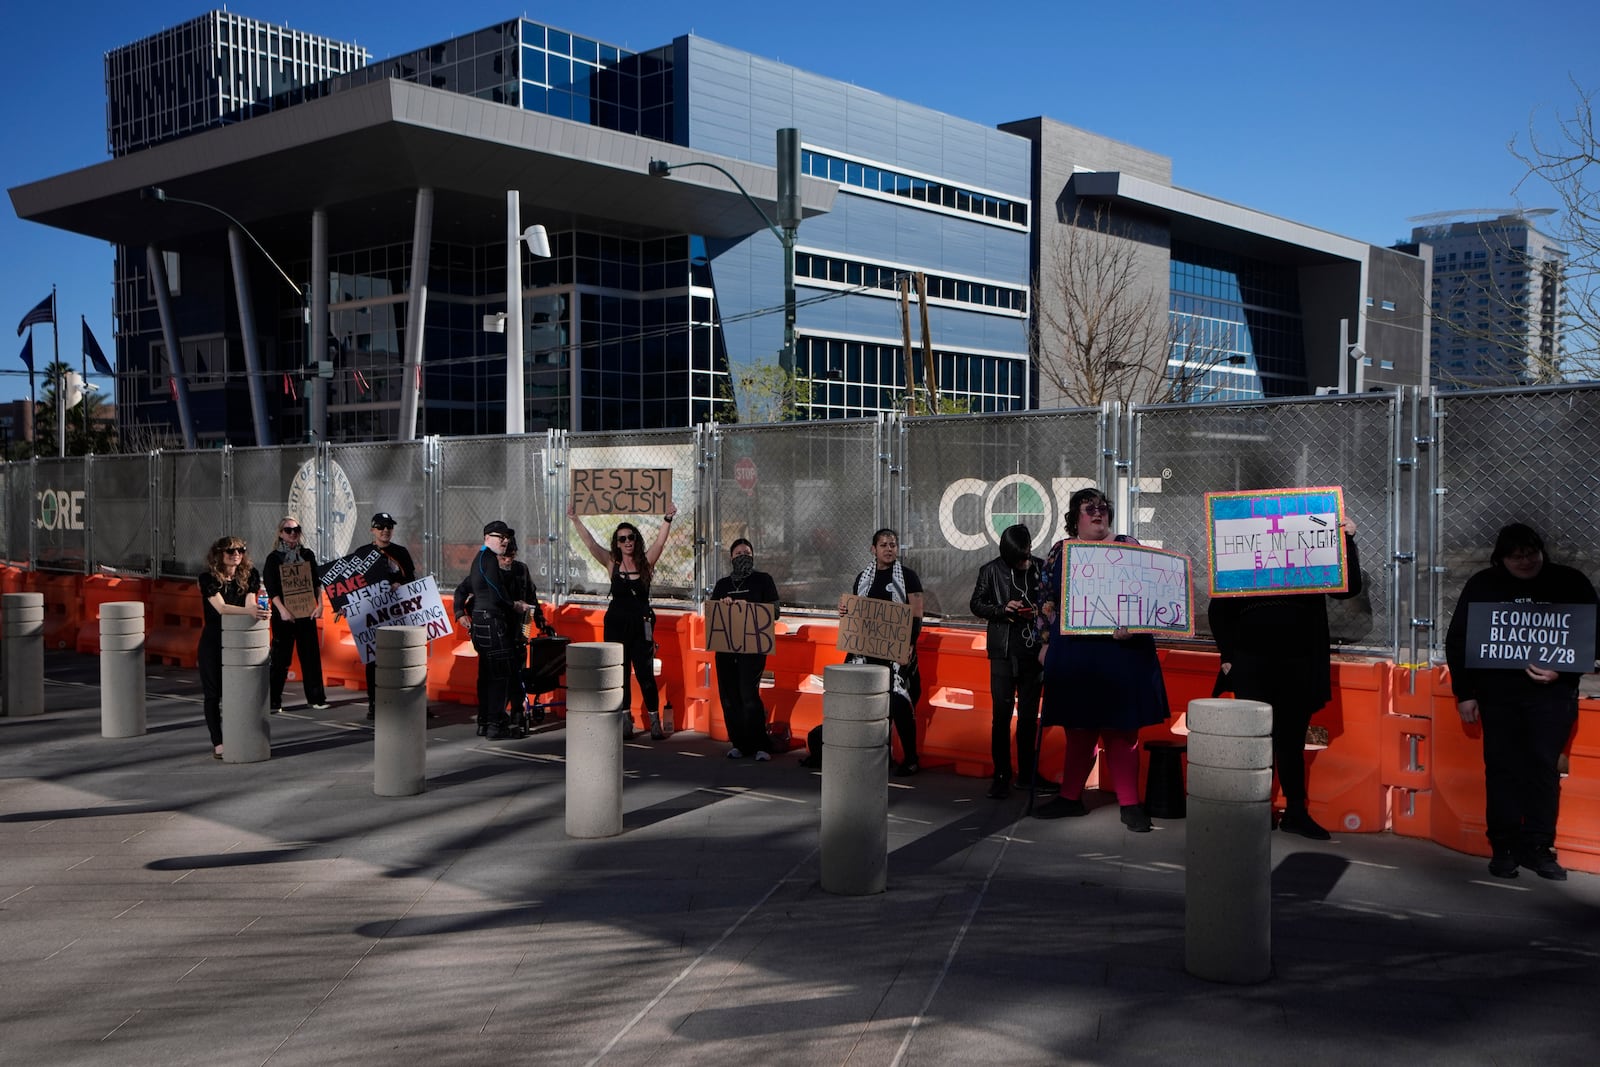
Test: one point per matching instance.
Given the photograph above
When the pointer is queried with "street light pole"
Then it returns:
(788, 217)
(538, 242)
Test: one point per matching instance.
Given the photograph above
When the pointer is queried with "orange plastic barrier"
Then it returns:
(1345, 790)
(63, 607)
(100, 589)
(173, 618)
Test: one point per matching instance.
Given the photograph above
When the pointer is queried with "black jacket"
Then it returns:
(998, 584)
(1554, 584)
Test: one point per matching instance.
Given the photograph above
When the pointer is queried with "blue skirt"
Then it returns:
(1101, 683)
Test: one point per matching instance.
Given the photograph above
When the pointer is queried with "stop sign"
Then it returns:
(744, 472)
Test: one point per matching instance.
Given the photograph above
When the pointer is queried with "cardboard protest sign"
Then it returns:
(1557, 637)
(340, 577)
(300, 594)
(1110, 585)
(1261, 542)
(621, 491)
(382, 604)
(740, 626)
(880, 629)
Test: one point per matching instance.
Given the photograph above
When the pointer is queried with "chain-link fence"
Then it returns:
(1428, 480)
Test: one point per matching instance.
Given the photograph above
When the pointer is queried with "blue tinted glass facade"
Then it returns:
(1237, 322)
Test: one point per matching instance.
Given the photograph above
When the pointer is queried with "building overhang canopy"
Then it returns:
(1217, 223)
(361, 155)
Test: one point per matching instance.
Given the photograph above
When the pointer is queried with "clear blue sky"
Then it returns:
(1349, 117)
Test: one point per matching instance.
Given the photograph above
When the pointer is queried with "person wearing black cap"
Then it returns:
(1004, 597)
(397, 568)
(487, 604)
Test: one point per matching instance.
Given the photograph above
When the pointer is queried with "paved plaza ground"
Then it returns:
(159, 907)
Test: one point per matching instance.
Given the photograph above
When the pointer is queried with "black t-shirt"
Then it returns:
(397, 566)
(880, 591)
(232, 593)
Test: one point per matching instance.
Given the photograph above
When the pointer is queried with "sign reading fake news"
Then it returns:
(1262, 542)
(372, 607)
(1557, 637)
(740, 626)
(1112, 585)
(621, 491)
(880, 629)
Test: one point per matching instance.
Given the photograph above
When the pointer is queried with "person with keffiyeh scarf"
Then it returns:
(889, 579)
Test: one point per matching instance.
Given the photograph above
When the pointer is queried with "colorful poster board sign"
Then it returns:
(879, 629)
(300, 593)
(352, 573)
(621, 490)
(740, 626)
(1112, 585)
(1557, 637)
(1262, 542)
(373, 607)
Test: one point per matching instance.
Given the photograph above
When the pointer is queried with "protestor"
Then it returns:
(739, 673)
(292, 633)
(1101, 688)
(630, 620)
(889, 579)
(1527, 710)
(1275, 649)
(227, 587)
(1004, 597)
(397, 569)
(488, 606)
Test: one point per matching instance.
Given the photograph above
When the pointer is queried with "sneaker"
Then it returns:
(320, 706)
(1542, 861)
(907, 768)
(734, 753)
(1000, 788)
(277, 711)
(1299, 822)
(763, 756)
(1062, 808)
(1135, 818)
(1504, 863)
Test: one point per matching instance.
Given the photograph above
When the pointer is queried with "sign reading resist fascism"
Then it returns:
(880, 629)
(1111, 585)
(740, 626)
(384, 604)
(1267, 541)
(1557, 637)
(620, 491)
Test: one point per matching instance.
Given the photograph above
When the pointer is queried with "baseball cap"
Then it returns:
(383, 518)
(498, 526)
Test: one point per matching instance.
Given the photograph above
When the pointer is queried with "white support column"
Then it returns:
(514, 399)
(416, 315)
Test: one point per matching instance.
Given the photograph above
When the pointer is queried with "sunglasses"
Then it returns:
(623, 539)
(234, 550)
(1096, 509)
(290, 530)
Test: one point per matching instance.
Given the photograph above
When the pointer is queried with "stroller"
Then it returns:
(540, 675)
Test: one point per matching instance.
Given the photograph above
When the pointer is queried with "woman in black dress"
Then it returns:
(630, 620)
(228, 587)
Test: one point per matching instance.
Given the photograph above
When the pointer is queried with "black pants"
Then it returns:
(1019, 680)
(1280, 684)
(739, 690)
(1523, 737)
(287, 638)
(210, 663)
(492, 640)
(640, 658)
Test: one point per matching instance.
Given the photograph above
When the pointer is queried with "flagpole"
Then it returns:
(83, 364)
(33, 401)
(61, 377)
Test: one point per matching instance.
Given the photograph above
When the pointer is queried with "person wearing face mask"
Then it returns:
(739, 673)
(1003, 596)
(290, 633)
(1527, 710)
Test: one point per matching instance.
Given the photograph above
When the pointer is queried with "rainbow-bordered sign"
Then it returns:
(1265, 541)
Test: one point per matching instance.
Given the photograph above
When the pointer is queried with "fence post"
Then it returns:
(23, 652)
(246, 659)
(122, 691)
(855, 791)
(594, 739)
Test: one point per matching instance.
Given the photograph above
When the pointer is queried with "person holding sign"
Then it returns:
(1275, 649)
(739, 673)
(227, 587)
(630, 620)
(889, 579)
(1100, 688)
(396, 568)
(1528, 708)
(294, 616)
(1004, 597)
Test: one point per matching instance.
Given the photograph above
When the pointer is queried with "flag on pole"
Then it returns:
(44, 311)
(27, 354)
(91, 348)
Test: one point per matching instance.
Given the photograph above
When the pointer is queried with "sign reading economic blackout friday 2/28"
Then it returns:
(621, 490)
(1557, 637)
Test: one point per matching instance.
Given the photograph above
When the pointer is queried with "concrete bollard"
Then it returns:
(594, 739)
(246, 660)
(122, 692)
(1228, 852)
(400, 712)
(22, 653)
(855, 791)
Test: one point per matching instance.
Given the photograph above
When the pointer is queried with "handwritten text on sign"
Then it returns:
(880, 629)
(1557, 637)
(621, 491)
(740, 626)
(1268, 541)
(346, 575)
(300, 595)
(384, 604)
(1111, 585)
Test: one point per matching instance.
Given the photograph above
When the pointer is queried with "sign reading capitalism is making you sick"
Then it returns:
(1266, 541)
